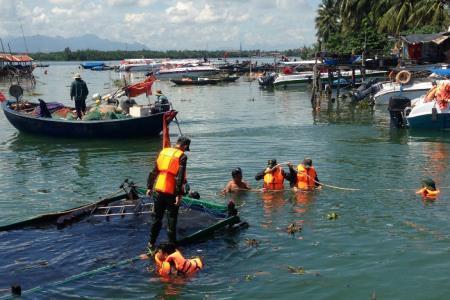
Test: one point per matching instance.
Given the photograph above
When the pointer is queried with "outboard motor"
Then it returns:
(396, 109)
(267, 81)
(365, 89)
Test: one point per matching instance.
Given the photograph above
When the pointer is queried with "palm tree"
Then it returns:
(328, 19)
(430, 12)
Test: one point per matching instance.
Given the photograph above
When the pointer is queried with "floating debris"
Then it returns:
(332, 216)
(296, 270)
(251, 242)
(249, 277)
(293, 228)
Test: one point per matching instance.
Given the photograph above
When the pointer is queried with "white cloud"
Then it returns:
(174, 24)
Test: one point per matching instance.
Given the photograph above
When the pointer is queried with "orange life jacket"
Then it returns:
(306, 177)
(428, 194)
(168, 164)
(274, 180)
(182, 265)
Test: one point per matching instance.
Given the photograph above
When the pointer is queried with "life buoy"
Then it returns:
(403, 77)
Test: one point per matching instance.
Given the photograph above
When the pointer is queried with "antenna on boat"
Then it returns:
(24, 40)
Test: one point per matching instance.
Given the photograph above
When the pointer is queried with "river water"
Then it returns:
(386, 243)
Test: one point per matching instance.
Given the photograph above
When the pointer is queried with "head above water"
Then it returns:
(168, 248)
(184, 141)
(236, 172)
(271, 163)
(428, 183)
(307, 162)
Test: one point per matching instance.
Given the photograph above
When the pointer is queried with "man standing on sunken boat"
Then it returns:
(166, 184)
(79, 92)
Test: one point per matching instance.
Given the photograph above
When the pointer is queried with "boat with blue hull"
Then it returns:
(145, 126)
(429, 116)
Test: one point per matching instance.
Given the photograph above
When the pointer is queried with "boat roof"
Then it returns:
(15, 57)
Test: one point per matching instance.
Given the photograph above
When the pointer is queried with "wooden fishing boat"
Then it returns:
(22, 119)
(131, 202)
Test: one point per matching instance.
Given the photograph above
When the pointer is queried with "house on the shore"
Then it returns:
(427, 48)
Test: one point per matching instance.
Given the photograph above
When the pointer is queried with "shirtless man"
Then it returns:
(236, 183)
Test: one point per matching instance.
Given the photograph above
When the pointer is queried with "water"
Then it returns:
(386, 241)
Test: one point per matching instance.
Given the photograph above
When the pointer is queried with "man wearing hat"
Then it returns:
(166, 184)
(79, 92)
(161, 103)
(306, 177)
(273, 176)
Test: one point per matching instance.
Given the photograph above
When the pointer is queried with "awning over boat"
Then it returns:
(15, 58)
(437, 38)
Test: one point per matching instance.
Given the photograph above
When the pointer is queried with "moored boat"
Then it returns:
(23, 120)
(187, 71)
(92, 64)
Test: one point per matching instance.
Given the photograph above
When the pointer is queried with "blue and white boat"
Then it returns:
(428, 115)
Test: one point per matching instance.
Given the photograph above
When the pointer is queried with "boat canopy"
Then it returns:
(15, 58)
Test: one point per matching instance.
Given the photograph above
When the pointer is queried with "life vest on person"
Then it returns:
(428, 194)
(182, 265)
(168, 164)
(274, 180)
(306, 177)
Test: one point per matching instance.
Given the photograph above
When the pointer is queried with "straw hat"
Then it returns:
(77, 76)
(158, 93)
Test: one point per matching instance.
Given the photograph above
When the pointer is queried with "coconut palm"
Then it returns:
(328, 19)
(430, 12)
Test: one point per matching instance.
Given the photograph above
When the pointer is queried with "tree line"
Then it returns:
(90, 55)
(351, 26)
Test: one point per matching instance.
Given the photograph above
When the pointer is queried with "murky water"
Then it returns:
(386, 241)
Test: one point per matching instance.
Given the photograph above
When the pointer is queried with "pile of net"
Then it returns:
(102, 112)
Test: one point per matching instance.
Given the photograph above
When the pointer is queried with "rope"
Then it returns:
(74, 277)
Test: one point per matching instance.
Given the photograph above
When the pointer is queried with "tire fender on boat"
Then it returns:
(403, 77)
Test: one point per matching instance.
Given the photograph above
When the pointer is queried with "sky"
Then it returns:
(169, 24)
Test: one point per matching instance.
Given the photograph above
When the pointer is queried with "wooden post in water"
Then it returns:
(353, 77)
(313, 91)
(338, 82)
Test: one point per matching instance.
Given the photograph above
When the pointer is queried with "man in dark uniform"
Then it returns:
(166, 184)
(79, 92)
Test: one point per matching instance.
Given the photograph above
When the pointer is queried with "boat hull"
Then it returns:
(180, 75)
(149, 126)
(421, 116)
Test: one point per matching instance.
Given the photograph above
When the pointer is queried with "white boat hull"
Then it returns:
(393, 89)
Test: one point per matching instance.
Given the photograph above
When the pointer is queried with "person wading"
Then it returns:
(306, 179)
(79, 92)
(166, 184)
(273, 176)
(236, 184)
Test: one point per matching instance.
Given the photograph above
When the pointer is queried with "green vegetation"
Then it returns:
(352, 26)
(86, 55)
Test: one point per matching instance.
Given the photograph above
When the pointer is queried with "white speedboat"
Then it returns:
(139, 65)
(186, 71)
(304, 78)
(412, 90)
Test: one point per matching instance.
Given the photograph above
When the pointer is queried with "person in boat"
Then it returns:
(431, 94)
(305, 176)
(428, 190)
(170, 261)
(79, 92)
(166, 184)
(236, 183)
(161, 103)
(273, 176)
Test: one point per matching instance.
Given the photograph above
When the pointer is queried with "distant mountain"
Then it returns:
(41, 43)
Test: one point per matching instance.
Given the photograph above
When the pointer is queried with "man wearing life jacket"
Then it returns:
(428, 190)
(236, 184)
(166, 184)
(306, 176)
(273, 176)
(170, 261)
